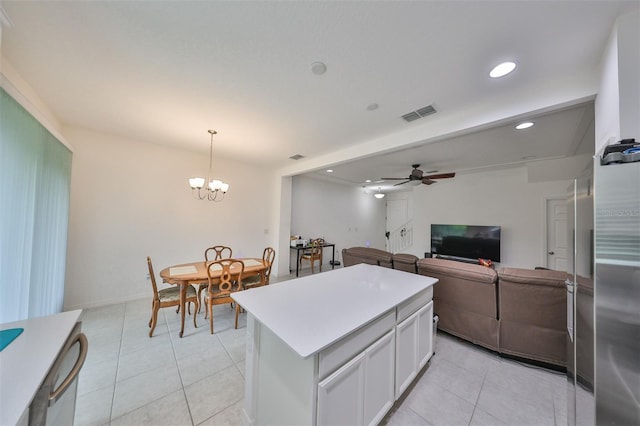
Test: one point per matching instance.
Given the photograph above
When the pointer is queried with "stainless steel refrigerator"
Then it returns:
(603, 303)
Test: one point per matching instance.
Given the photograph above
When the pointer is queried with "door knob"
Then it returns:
(551, 253)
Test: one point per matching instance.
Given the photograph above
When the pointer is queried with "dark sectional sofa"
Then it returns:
(514, 311)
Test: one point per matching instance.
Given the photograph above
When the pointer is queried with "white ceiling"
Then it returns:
(167, 71)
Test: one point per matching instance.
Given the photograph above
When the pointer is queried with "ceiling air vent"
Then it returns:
(422, 112)
(296, 157)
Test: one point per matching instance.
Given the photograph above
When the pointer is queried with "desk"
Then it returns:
(186, 274)
(298, 249)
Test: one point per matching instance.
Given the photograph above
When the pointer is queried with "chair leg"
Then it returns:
(154, 318)
(237, 311)
(195, 312)
(153, 304)
(210, 307)
(200, 297)
(312, 262)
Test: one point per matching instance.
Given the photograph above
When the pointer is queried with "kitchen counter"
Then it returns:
(313, 312)
(24, 364)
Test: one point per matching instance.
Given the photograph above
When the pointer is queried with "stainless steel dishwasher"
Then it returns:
(55, 401)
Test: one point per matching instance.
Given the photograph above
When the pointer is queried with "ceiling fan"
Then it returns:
(417, 174)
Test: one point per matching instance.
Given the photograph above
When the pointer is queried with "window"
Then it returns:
(35, 176)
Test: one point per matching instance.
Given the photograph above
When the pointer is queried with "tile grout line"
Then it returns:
(115, 378)
(475, 405)
(175, 358)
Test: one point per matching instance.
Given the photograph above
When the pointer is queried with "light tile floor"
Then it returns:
(130, 379)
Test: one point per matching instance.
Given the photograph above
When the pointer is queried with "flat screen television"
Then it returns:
(466, 241)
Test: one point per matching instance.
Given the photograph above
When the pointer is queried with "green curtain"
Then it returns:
(35, 177)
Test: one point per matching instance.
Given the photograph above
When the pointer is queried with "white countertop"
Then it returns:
(25, 363)
(312, 312)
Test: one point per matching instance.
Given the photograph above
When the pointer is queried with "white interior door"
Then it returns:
(557, 237)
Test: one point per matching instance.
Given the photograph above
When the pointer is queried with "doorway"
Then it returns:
(556, 234)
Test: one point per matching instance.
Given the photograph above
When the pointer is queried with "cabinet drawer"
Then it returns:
(338, 354)
(412, 305)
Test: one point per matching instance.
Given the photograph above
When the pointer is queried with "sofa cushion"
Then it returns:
(538, 276)
(405, 262)
(468, 271)
(370, 255)
(533, 314)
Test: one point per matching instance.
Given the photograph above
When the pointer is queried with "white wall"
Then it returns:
(617, 106)
(343, 215)
(131, 199)
(502, 197)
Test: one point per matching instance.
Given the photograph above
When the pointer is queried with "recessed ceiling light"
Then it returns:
(367, 181)
(372, 107)
(502, 69)
(329, 170)
(524, 125)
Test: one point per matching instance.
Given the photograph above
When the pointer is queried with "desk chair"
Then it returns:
(313, 253)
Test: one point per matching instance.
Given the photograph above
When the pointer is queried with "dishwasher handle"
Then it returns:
(84, 348)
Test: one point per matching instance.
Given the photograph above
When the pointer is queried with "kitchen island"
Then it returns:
(338, 347)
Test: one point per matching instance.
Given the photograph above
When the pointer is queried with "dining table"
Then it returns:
(186, 274)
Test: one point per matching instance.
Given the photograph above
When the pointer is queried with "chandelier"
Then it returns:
(215, 189)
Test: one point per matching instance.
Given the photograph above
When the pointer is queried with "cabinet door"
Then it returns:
(379, 382)
(406, 353)
(414, 346)
(425, 334)
(341, 395)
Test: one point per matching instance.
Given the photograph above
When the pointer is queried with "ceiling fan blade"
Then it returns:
(394, 178)
(428, 181)
(401, 183)
(440, 176)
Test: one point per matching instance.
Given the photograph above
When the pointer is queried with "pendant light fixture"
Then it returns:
(215, 189)
(378, 194)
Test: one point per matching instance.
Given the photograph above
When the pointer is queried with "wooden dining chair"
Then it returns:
(168, 297)
(220, 287)
(268, 256)
(217, 253)
(210, 254)
(313, 253)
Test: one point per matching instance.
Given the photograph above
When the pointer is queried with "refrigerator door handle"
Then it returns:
(570, 290)
(82, 356)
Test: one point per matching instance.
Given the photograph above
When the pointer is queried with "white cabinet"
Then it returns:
(341, 395)
(414, 346)
(362, 391)
(379, 378)
(314, 359)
